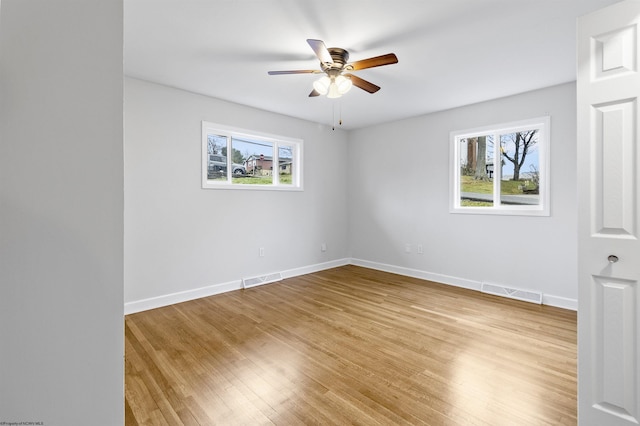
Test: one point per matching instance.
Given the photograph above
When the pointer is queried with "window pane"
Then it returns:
(285, 164)
(501, 169)
(217, 162)
(246, 160)
(256, 160)
(476, 171)
(520, 182)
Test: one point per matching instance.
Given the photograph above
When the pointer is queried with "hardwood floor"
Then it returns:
(351, 346)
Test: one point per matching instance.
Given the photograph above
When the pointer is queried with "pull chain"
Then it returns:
(333, 115)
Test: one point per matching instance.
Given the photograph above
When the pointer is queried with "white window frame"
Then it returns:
(275, 140)
(542, 209)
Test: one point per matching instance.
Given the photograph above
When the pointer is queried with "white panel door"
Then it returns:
(609, 216)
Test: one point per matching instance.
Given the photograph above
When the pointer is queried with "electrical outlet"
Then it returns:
(261, 252)
(407, 248)
(323, 247)
(420, 249)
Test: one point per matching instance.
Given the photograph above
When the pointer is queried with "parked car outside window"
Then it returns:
(218, 167)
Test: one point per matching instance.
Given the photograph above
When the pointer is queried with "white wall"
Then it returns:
(399, 193)
(183, 242)
(61, 212)
(180, 238)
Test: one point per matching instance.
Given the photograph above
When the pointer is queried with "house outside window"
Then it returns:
(242, 159)
(501, 169)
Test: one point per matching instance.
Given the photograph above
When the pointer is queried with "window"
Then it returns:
(502, 169)
(241, 159)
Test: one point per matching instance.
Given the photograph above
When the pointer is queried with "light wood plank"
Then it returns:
(352, 346)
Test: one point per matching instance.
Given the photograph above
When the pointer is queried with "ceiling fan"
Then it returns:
(338, 79)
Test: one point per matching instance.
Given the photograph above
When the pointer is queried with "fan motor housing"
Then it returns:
(340, 58)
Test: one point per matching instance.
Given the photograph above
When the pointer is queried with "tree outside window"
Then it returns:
(501, 169)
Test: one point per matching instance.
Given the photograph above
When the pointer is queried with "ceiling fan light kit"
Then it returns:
(322, 85)
(338, 78)
(333, 87)
(343, 84)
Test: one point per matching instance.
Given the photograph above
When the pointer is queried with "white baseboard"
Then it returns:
(416, 273)
(560, 302)
(547, 299)
(179, 297)
(211, 290)
(183, 296)
(315, 268)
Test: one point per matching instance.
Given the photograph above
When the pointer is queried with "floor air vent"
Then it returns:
(513, 293)
(264, 279)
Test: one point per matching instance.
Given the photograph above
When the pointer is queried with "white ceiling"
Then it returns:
(450, 52)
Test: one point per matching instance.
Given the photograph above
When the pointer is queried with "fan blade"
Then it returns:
(320, 50)
(294, 72)
(377, 61)
(313, 93)
(363, 84)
